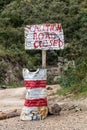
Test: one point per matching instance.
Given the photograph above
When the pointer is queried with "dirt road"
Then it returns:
(70, 117)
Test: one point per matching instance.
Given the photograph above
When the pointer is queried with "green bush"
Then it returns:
(50, 80)
(3, 70)
(72, 14)
(75, 79)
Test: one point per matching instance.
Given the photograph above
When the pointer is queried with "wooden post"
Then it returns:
(44, 59)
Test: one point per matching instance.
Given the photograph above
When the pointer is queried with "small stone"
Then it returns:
(54, 110)
(49, 88)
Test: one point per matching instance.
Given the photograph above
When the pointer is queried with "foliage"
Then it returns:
(68, 78)
(3, 68)
(75, 79)
(72, 14)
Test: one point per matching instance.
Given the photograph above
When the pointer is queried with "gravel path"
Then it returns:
(66, 121)
(11, 99)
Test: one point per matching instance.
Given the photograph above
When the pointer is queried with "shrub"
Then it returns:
(3, 70)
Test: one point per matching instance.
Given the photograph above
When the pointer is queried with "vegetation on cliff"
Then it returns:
(72, 14)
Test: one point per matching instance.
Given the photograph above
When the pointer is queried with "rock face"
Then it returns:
(10, 73)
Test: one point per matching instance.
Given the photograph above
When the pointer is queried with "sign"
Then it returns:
(44, 37)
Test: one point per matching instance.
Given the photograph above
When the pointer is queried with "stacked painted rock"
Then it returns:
(35, 106)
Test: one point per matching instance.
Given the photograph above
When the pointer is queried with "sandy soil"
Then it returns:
(70, 117)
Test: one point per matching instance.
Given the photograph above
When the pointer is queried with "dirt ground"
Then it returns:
(72, 117)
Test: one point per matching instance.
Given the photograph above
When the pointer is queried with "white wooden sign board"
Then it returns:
(44, 37)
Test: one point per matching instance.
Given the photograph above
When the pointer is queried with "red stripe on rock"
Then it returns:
(35, 84)
(36, 102)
